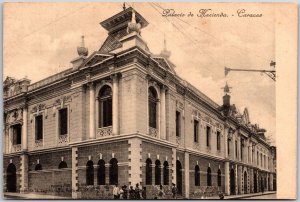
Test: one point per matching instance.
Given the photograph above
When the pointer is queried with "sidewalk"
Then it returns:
(10, 195)
(241, 196)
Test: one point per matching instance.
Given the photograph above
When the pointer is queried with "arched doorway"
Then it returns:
(11, 178)
(179, 177)
(113, 172)
(232, 182)
(245, 183)
(90, 173)
(255, 182)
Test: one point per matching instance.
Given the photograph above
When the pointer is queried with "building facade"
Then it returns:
(122, 115)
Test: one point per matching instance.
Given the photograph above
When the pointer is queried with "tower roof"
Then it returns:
(121, 20)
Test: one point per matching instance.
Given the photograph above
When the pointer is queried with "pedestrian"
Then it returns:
(116, 192)
(144, 193)
(137, 191)
(121, 194)
(174, 190)
(131, 193)
(125, 192)
(161, 193)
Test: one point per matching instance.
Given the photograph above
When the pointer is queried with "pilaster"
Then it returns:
(24, 173)
(135, 161)
(75, 191)
(163, 112)
(24, 129)
(186, 175)
(115, 124)
(92, 111)
(227, 179)
(174, 158)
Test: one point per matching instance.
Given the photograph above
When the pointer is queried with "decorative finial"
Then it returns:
(82, 50)
(124, 7)
(226, 89)
(165, 52)
(133, 26)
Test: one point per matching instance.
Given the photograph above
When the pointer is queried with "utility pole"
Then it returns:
(270, 73)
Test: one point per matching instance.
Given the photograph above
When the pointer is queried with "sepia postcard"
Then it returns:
(149, 100)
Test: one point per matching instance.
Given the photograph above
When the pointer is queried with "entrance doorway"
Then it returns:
(245, 183)
(11, 178)
(232, 182)
(255, 182)
(179, 177)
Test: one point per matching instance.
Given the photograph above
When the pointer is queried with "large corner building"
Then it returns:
(122, 115)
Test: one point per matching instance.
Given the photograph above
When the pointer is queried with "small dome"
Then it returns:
(82, 50)
(133, 26)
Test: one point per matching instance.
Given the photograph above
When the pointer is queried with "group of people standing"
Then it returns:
(138, 193)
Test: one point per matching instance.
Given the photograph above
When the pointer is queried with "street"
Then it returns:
(268, 196)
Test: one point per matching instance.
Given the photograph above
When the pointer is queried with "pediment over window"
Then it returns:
(165, 63)
(96, 58)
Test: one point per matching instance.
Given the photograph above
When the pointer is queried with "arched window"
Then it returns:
(197, 175)
(113, 171)
(219, 178)
(62, 164)
(38, 167)
(208, 176)
(90, 173)
(152, 101)
(166, 173)
(157, 173)
(148, 172)
(101, 172)
(105, 106)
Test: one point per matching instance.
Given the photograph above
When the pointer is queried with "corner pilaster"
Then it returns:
(135, 161)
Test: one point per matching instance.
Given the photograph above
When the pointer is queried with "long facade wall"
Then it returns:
(131, 92)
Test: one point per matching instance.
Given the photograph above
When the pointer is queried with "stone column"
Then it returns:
(24, 173)
(163, 112)
(24, 130)
(187, 175)
(227, 178)
(135, 161)
(92, 111)
(115, 97)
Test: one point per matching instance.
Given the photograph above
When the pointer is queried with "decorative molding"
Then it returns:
(103, 132)
(153, 132)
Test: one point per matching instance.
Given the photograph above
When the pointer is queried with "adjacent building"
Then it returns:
(122, 115)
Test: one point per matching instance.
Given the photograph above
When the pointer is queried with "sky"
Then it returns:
(40, 39)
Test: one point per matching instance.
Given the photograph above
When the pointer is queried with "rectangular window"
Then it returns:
(17, 134)
(39, 127)
(152, 114)
(236, 149)
(207, 136)
(196, 129)
(228, 146)
(218, 140)
(177, 124)
(257, 158)
(105, 113)
(242, 149)
(63, 121)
